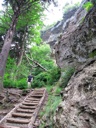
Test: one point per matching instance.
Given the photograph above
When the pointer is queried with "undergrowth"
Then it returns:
(54, 98)
(53, 101)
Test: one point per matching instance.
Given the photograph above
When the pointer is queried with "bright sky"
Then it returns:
(55, 13)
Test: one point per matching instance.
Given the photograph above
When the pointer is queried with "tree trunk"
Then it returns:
(22, 47)
(6, 47)
(21, 55)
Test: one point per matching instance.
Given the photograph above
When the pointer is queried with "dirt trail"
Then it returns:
(25, 113)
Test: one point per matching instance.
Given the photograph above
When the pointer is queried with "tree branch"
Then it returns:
(29, 61)
(39, 65)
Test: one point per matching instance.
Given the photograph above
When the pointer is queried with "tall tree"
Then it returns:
(19, 7)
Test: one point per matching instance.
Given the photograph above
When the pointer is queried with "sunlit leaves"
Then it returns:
(88, 6)
(41, 54)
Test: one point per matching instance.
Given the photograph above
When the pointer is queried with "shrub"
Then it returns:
(66, 75)
(55, 74)
(49, 110)
(8, 83)
(46, 78)
(41, 79)
(22, 84)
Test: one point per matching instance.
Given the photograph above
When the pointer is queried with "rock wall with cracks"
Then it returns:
(77, 47)
(78, 42)
(78, 108)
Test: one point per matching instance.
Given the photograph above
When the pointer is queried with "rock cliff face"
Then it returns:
(76, 46)
(78, 42)
(78, 110)
(73, 39)
(51, 35)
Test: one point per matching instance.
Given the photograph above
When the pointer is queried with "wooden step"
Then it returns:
(27, 107)
(39, 93)
(21, 115)
(24, 110)
(36, 96)
(5, 126)
(15, 125)
(36, 93)
(29, 104)
(33, 101)
(39, 90)
(21, 121)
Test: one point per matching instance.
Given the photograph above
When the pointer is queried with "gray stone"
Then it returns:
(78, 110)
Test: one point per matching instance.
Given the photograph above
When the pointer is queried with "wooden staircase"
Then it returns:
(24, 114)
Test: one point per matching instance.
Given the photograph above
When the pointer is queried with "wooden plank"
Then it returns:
(37, 96)
(27, 107)
(31, 124)
(38, 92)
(36, 99)
(33, 101)
(25, 110)
(21, 121)
(29, 104)
(5, 126)
(21, 115)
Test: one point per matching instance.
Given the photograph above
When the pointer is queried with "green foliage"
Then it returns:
(22, 84)
(41, 79)
(58, 90)
(41, 53)
(46, 78)
(49, 89)
(50, 108)
(92, 54)
(15, 77)
(21, 71)
(9, 83)
(88, 5)
(66, 75)
(52, 103)
(5, 20)
(55, 73)
(32, 19)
